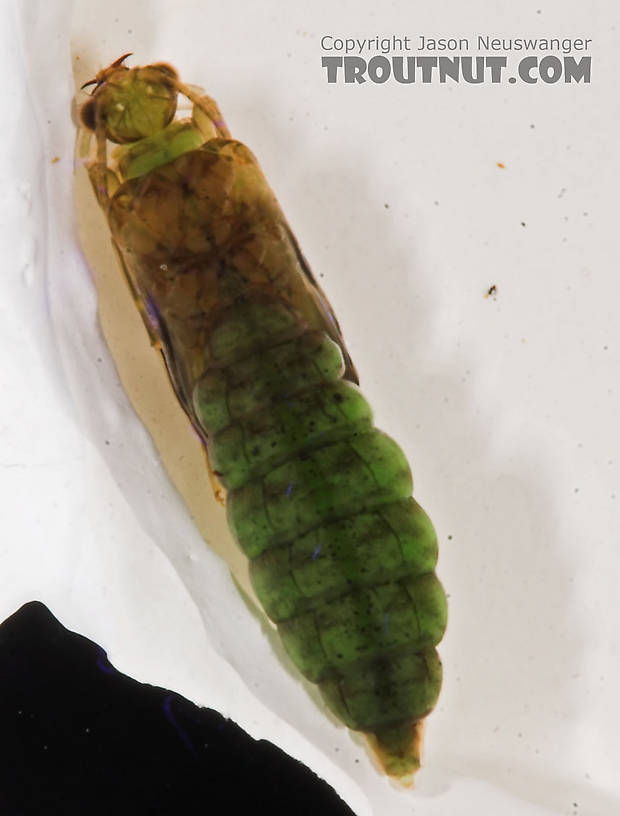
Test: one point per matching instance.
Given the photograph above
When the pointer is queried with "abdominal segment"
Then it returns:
(342, 557)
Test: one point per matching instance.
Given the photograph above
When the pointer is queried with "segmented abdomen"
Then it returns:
(342, 557)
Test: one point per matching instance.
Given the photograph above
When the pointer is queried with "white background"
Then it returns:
(507, 408)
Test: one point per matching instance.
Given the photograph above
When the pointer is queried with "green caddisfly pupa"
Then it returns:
(342, 558)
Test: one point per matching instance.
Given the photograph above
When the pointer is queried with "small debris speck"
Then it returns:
(56, 159)
(387, 206)
(522, 223)
(436, 203)
(491, 292)
(501, 166)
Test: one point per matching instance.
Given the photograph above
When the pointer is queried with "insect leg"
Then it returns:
(100, 169)
(209, 107)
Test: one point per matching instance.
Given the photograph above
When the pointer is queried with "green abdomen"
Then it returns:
(342, 557)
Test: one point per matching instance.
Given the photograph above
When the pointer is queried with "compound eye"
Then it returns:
(165, 69)
(87, 114)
